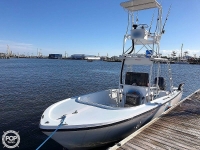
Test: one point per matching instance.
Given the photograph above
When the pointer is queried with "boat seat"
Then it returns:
(161, 83)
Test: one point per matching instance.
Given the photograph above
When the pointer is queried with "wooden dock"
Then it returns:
(178, 128)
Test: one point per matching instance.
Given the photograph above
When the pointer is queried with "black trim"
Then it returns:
(103, 126)
(133, 47)
(122, 71)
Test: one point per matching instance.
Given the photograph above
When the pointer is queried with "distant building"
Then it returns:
(78, 56)
(55, 56)
(104, 58)
(2, 55)
(115, 59)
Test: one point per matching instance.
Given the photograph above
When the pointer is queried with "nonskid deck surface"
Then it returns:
(178, 129)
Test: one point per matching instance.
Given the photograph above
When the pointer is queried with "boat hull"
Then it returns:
(86, 138)
(97, 136)
(176, 99)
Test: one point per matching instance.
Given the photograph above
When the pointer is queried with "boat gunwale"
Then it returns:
(105, 125)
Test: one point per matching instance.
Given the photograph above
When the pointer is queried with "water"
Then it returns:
(29, 86)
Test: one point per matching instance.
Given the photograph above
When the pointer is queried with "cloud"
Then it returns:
(16, 47)
(190, 52)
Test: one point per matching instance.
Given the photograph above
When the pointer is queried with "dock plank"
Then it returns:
(179, 136)
(178, 128)
(152, 143)
(140, 144)
(175, 132)
(133, 146)
(168, 138)
(182, 128)
(146, 143)
(162, 140)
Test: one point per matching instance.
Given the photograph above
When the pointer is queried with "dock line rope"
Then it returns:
(61, 123)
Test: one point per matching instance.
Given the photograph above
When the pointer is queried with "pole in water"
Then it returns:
(61, 123)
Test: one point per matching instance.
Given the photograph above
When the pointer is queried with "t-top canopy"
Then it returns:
(135, 5)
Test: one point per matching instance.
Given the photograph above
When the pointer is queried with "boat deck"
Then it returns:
(177, 128)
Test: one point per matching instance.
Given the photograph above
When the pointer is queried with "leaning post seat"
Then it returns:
(135, 88)
(161, 83)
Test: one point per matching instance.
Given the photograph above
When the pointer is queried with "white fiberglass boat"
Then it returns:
(145, 92)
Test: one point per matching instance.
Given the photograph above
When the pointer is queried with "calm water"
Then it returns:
(29, 86)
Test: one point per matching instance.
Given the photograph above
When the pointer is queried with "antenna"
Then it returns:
(161, 2)
(127, 24)
(137, 18)
(151, 21)
(163, 31)
(157, 22)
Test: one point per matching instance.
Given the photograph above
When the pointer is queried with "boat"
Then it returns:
(181, 59)
(92, 58)
(145, 91)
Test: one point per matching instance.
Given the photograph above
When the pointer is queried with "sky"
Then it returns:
(90, 26)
